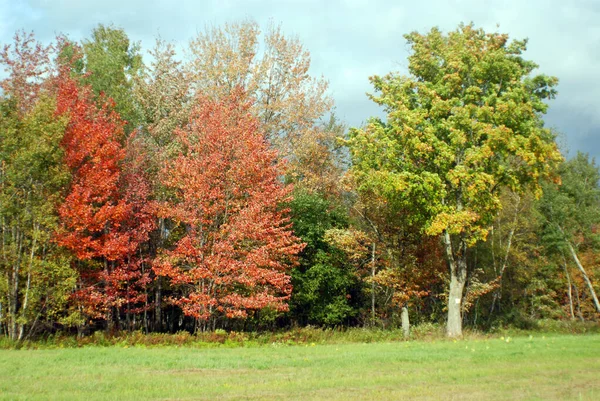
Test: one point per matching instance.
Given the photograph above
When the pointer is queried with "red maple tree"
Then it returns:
(236, 242)
(105, 216)
(27, 64)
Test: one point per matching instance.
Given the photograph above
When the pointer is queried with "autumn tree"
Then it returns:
(105, 216)
(319, 160)
(572, 214)
(27, 63)
(465, 124)
(403, 264)
(236, 244)
(511, 276)
(162, 93)
(36, 275)
(273, 69)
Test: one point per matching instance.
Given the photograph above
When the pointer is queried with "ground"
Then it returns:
(538, 367)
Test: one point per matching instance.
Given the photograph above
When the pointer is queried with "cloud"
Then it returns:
(352, 39)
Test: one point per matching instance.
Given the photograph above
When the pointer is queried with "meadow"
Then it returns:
(529, 367)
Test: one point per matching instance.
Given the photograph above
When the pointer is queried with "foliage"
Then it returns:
(273, 71)
(161, 91)
(109, 65)
(220, 194)
(571, 210)
(465, 124)
(36, 276)
(571, 215)
(105, 216)
(318, 161)
(32, 176)
(237, 245)
(326, 286)
(27, 63)
(406, 267)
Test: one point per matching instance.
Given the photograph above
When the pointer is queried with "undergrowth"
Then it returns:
(297, 336)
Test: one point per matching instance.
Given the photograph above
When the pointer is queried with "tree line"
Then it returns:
(222, 191)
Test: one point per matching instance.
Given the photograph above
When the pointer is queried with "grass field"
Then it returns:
(523, 368)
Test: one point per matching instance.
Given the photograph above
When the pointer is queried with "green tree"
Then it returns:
(36, 277)
(110, 63)
(465, 124)
(326, 288)
(572, 212)
(515, 280)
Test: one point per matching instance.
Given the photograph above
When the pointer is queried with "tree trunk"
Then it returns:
(14, 291)
(24, 308)
(585, 276)
(1, 318)
(158, 321)
(28, 286)
(579, 314)
(570, 292)
(457, 285)
(511, 233)
(458, 278)
(128, 324)
(373, 285)
(405, 322)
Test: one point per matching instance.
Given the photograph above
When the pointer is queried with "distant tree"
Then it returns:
(318, 161)
(508, 264)
(464, 125)
(572, 212)
(403, 265)
(162, 92)
(27, 64)
(109, 65)
(274, 71)
(236, 245)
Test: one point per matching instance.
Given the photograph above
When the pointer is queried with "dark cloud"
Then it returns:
(578, 129)
(351, 40)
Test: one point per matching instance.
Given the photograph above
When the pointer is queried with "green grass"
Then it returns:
(556, 367)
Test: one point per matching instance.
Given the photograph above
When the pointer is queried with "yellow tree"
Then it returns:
(465, 124)
(271, 68)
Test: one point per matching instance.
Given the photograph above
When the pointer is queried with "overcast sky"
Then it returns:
(350, 40)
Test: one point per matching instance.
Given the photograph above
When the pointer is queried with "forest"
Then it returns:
(214, 188)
